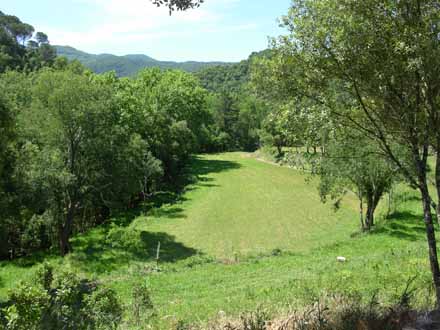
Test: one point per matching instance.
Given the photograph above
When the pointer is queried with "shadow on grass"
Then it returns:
(93, 253)
(199, 166)
(31, 260)
(169, 213)
(194, 176)
(100, 256)
(403, 225)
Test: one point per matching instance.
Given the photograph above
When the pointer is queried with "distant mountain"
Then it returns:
(128, 65)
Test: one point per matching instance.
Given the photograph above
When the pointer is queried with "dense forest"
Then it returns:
(80, 145)
(349, 98)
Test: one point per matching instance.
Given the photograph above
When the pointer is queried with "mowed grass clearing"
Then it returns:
(218, 239)
(243, 206)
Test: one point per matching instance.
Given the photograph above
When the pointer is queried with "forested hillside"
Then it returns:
(229, 78)
(127, 65)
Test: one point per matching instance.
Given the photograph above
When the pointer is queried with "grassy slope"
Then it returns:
(240, 207)
(244, 206)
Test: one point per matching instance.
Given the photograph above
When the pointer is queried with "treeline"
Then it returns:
(237, 110)
(80, 145)
(76, 146)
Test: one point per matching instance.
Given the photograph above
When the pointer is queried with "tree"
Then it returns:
(167, 109)
(18, 50)
(77, 154)
(251, 114)
(7, 160)
(352, 163)
(385, 55)
(178, 4)
(274, 133)
(41, 38)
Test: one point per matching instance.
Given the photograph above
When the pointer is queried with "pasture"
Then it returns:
(242, 234)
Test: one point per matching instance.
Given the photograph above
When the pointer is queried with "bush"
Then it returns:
(28, 306)
(102, 310)
(142, 305)
(62, 301)
(126, 238)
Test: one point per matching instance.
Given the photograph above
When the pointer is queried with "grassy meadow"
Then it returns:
(245, 234)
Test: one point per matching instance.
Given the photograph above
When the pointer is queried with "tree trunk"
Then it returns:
(280, 150)
(369, 218)
(64, 242)
(371, 208)
(430, 234)
(361, 211)
(64, 232)
(390, 202)
(437, 181)
(373, 199)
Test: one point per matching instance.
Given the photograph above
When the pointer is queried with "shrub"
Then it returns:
(62, 301)
(102, 310)
(28, 305)
(126, 238)
(142, 305)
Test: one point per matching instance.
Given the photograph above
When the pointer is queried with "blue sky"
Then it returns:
(224, 30)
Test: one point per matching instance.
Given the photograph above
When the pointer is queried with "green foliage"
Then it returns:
(225, 79)
(236, 122)
(78, 152)
(45, 276)
(6, 152)
(17, 48)
(230, 78)
(201, 274)
(178, 4)
(373, 67)
(28, 307)
(102, 310)
(128, 239)
(80, 145)
(62, 301)
(142, 304)
(350, 163)
(168, 110)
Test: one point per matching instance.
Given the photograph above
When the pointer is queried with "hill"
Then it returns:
(245, 234)
(229, 78)
(128, 65)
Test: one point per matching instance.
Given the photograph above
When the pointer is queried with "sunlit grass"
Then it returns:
(244, 234)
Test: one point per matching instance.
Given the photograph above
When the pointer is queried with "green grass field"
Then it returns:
(245, 234)
(242, 206)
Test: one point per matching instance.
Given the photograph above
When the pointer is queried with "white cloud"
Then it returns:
(122, 23)
(137, 26)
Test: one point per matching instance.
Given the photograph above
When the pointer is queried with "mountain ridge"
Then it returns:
(130, 64)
